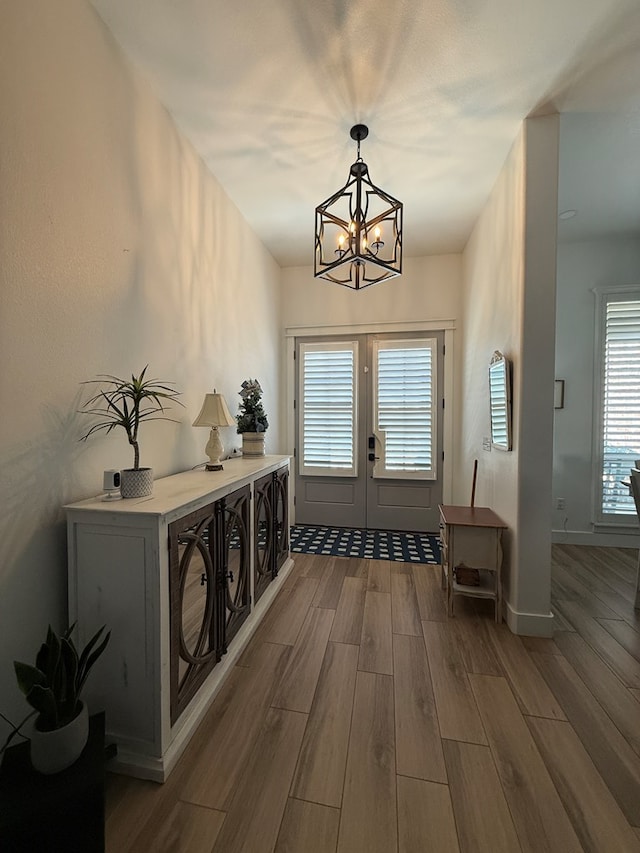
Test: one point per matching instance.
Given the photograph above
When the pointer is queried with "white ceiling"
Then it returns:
(267, 93)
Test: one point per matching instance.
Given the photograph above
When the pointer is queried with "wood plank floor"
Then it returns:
(360, 718)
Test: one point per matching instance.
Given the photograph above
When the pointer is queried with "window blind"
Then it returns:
(621, 403)
(327, 420)
(405, 407)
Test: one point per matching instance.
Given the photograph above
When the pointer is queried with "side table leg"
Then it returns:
(499, 577)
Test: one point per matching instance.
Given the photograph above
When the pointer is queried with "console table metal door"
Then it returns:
(236, 563)
(196, 631)
(472, 537)
(281, 517)
(264, 541)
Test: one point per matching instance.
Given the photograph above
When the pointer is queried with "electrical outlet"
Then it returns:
(486, 444)
(560, 503)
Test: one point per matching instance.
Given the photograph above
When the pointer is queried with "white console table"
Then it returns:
(119, 575)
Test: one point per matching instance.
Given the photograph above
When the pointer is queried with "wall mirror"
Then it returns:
(500, 401)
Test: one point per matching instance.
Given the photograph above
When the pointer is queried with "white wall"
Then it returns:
(118, 248)
(508, 305)
(583, 266)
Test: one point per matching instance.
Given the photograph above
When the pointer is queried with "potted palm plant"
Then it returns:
(126, 403)
(53, 688)
(252, 420)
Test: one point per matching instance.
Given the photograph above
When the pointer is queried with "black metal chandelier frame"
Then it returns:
(358, 256)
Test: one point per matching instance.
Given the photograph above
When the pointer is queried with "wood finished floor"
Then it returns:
(361, 720)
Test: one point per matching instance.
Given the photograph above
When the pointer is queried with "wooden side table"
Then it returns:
(472, 536)
(61, 813)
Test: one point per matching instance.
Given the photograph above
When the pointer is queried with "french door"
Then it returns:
(369, 431)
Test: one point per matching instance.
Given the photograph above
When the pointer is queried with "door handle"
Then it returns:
(373, 457)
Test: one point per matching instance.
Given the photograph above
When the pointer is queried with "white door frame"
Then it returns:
(448, 326)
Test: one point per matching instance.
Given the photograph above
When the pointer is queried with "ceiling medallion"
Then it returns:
(358, 230)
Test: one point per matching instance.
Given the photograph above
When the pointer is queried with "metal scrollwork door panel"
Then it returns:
(281, 516)
(235, 570)
(263, 535)
(196, 632)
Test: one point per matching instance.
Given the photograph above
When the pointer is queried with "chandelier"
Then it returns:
(358, 230)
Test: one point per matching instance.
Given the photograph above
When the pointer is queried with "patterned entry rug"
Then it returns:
(373, 544)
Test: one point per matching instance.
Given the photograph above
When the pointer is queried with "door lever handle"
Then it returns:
(373, 457)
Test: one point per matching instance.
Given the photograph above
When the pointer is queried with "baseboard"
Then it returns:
(529, 624)
(587, 537)
(136, 765)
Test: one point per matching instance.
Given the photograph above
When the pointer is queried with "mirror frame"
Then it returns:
(500, 401)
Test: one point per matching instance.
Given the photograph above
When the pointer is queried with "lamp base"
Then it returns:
(214, 451)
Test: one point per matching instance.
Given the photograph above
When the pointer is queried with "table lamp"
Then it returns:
(214, 413)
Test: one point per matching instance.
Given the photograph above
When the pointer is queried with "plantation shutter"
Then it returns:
(621, 402)
(405, 408)
(327, 394)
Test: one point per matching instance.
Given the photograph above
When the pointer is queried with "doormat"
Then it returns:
(370, 544)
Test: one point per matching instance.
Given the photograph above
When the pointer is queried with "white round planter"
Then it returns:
(252, 444)
(54, 751)
(136, 483)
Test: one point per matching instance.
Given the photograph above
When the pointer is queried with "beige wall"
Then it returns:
(509, 305)
(117, 249)
(428, 289)
(492, 320)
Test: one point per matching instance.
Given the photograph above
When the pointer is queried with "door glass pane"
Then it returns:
(405, 408)
(327, 396)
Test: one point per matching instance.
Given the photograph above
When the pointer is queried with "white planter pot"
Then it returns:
(54, 751)
(252, 444)
(136, 484)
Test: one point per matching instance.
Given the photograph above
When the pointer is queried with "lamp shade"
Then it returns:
(214, 412)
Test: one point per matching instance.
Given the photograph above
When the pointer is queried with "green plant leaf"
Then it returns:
(43, 700)
(48, 658)
(54, 690)
(126, 403)
(28, 676)
(69, 671)
(89, 656)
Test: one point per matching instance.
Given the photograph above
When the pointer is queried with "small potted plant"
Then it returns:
(252, 420)
(53, 687)
(126, 403)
